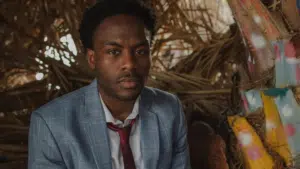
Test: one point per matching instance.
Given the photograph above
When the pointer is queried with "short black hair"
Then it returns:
(93, 16)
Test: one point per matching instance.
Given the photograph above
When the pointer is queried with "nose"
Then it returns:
(129, 61)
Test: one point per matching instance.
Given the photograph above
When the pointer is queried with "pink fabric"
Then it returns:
(290, 130)
(289, 50)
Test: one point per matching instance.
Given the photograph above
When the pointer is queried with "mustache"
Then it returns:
(129, 75)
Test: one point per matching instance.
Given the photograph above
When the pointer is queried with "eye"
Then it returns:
(142, 52)
(114, 52)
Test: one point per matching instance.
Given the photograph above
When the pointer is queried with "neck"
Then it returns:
(119, 109)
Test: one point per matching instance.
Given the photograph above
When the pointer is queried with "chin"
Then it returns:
(129, 95)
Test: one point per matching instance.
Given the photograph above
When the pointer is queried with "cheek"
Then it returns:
(104, 69)
(145, 64)
(107, 77)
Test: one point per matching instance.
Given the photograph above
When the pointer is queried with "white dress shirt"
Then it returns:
(134, 140)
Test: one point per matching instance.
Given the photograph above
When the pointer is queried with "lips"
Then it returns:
(129, 83)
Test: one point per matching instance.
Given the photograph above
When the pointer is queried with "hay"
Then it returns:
(192, 56)
(189, 57)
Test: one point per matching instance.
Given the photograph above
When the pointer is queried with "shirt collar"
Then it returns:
(110, 119)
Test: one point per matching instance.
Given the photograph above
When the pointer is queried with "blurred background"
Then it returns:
(201, 52)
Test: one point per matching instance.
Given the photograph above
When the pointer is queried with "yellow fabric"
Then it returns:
(254, 154)
(275, 135)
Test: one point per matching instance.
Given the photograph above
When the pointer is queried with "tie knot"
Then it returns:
(118, 129)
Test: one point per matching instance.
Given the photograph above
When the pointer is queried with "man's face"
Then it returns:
(120, 57)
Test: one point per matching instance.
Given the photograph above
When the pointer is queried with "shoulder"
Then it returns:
(161, 95)
(62, 105)
(164, 104)
(161, 98)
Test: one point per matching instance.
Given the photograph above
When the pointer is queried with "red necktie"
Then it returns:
(124, 134)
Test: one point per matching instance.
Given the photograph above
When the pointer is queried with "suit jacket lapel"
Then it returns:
(149, 131)
(96, 128)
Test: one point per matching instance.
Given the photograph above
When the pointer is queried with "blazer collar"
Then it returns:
(94, 107)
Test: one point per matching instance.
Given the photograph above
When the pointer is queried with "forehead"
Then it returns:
(121, 27)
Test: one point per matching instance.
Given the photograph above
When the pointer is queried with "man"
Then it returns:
(115, 122)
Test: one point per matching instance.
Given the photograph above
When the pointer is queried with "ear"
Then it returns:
(90, 54)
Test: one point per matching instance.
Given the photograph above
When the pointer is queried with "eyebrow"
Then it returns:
(112, 43)
(143, 43)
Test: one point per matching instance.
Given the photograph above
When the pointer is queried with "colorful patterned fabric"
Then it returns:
(275, 135)
(287, 66)
(257, 28)
(289, 111)
(252, 100)
(275, 131)
(254, 154)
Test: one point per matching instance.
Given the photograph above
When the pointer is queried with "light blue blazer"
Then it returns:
(70, 132)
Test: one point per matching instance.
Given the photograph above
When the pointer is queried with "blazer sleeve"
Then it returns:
(43, 151)
(181, 158)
